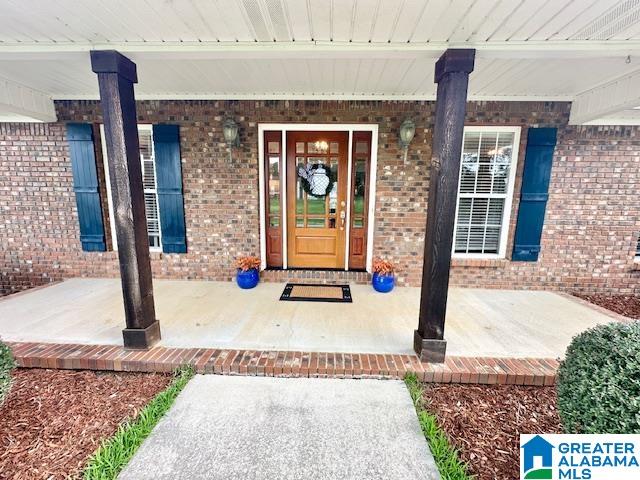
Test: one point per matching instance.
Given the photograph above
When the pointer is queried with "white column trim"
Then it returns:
(347, 233)
(262, 206)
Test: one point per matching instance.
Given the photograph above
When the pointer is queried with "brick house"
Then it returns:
(546, 192)
(588, 241)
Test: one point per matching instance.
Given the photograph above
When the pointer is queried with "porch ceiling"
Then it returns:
(362, 49)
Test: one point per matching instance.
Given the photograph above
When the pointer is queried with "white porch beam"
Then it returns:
(17, 100)
(490, 49)
(615, 96)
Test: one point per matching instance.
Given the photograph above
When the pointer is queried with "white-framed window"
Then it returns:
(147, 161)
(485, 191)
(638, 249)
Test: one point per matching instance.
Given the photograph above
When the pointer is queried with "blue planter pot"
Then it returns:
(383, 283)
(248, 279)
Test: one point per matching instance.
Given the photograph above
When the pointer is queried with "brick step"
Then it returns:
(477, 370)
(315, 276)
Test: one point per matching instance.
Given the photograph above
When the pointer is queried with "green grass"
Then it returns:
(6, 365)
(445, 455)
(115, 452)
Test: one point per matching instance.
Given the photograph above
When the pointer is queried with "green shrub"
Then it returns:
(6, 365)
(599, 381)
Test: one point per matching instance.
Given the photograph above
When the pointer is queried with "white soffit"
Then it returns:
(321, 49)
(20, 103)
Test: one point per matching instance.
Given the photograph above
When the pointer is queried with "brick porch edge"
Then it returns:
(478, 370)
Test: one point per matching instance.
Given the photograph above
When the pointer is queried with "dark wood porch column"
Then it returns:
(116, 76)
(452, 77)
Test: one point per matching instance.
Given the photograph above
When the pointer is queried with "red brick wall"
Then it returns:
(587, 241)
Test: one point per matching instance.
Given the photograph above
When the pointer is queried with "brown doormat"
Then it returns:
(304, 292)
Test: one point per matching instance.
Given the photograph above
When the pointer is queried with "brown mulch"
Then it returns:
(627, 305)
(485, 422)
(53, 420)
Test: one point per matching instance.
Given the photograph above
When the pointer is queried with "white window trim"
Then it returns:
(506, 214)
(283, 128)
(112, 222)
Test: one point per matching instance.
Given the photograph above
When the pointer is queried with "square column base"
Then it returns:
(429, 349)
(141, 338)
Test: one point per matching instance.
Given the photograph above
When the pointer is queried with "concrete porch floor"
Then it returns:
(481, 323)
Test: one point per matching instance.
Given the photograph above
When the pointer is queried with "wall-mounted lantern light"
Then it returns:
(230, 132)
(406, 134)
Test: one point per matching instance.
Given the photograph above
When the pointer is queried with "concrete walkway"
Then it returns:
(197, 314)
(250, 428)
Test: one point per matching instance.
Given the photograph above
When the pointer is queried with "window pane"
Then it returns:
(462, 237)
(464, 210)
(299, 147)
(491, 240)
(334, 147)
(153, 222)
(299, 221)
(358, 222)
(502, 162)
(274, 221)
(469, 162)
(496, 210)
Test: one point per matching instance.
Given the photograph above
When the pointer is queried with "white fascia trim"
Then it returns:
(22, 101)
(542, 48)
(311, 127)
(324, 96)
(609, 98)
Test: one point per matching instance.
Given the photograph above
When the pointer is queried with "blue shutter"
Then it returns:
(85, 186)
(166, 143)
(534, 194)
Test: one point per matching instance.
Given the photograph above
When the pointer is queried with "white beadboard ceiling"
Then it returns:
(369, 49)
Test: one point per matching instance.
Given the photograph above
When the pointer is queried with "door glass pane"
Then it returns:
(299, 221)
(334, 147)
(273, 147)
(274, 184)
(362, 147)
(274, 221)
(360, 185)
(333, 195)
(315, 205)
(315, 222)
(358, 222)
(299, 147)
(321, 146)
(300, 193)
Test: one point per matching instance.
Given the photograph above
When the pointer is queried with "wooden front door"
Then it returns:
(316, 225)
